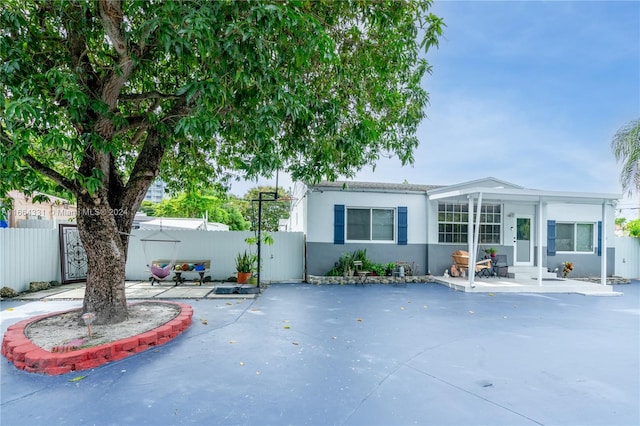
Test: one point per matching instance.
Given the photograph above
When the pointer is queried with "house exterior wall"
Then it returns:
(298, 221)
(26, 213)
(322, 252)
(321, 257)
(585, 264)
(320, 212)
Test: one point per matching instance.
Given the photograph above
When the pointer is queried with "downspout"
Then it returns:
(603, 249)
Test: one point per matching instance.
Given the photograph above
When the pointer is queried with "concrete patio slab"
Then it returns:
(181, 292)
(147, 292)
(527, 285)
(374, 355)
(76, 293)
(51, 291)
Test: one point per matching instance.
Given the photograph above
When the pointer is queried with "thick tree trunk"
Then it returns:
(106, 256)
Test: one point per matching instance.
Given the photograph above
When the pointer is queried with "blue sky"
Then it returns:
(529, 92)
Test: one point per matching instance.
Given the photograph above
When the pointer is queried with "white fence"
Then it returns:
(28, 255)
(627, 257)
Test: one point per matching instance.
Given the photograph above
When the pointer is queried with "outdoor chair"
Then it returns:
(461, 261)
(501, 264)
(362, 275)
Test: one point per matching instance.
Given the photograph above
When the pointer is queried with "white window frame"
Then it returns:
(575, 239)
(370, 239)
(459, 219)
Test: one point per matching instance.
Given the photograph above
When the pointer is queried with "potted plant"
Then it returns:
(346, 264)
(390, 268)
(244, 266)
(491, 252)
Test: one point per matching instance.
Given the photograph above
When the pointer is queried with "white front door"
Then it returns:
(523, 241)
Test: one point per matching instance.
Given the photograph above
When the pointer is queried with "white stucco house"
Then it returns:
(423, 224)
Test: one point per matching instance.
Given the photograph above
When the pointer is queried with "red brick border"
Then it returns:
(25, 355)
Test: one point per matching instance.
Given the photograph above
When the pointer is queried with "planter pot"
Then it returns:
(253, 280)
(243, 277)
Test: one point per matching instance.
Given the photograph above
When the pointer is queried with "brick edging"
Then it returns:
(25, 355)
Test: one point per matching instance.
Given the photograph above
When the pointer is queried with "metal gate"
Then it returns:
(73, 258)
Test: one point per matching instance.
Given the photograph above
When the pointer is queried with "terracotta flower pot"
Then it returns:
(243, 277)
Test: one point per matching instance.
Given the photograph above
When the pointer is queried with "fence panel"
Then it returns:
(627, 257)
(28, 255)
(282, 261)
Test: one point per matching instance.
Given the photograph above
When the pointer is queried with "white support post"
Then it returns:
(603, 249)
(476, 237)
(539, 251)
(470, 240)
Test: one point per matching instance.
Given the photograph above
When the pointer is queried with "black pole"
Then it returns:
(259, 234)
(260, 200)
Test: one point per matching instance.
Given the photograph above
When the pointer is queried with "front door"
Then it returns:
(524, 242)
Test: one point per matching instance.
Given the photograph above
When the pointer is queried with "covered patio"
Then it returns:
(530, 253)
(527, 285)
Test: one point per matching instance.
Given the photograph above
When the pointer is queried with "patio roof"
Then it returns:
(525, 195)
(373, 186)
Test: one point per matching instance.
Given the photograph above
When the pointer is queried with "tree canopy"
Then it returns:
(626, 148)
(101, 97)
(274, 207)
(220, 88)
(197, 205)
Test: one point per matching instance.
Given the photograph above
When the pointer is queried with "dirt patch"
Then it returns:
(63, 329)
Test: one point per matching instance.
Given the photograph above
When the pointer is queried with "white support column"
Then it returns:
(603, 249)
(470, 240)
(539, 250)
(476, 237)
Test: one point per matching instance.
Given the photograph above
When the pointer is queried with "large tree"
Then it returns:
(102, 96)
(626, 148)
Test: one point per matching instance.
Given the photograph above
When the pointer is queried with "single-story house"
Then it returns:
(537, 230)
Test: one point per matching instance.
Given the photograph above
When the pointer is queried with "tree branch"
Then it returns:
(138, 122)
(78, 49)
(52, 174)
(146, 96)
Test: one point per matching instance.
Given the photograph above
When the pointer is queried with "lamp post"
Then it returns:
(274, 197)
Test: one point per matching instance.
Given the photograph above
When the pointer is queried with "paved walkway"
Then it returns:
(141, 290)
(345, 355)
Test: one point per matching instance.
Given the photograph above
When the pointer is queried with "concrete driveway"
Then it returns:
(343, 355)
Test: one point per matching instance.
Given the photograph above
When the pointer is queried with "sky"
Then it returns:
(529, 92)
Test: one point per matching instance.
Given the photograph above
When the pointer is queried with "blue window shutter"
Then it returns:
(551, 238)
(599, 238)
(338, 224)
(402, 226)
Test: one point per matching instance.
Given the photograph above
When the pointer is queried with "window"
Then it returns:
(574, 237)
(364, 224)
(453, 220)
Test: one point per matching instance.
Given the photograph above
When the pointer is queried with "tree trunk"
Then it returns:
(106, 258)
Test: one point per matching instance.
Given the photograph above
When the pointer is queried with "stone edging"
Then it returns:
(25, 355)
(318, 279)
